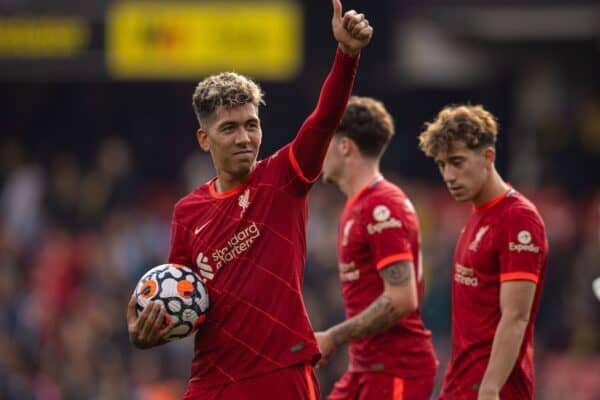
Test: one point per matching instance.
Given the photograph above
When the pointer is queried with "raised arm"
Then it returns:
(353, 32)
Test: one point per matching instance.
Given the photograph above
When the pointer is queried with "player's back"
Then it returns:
(378, 227)
(249, 246)
(503, 240)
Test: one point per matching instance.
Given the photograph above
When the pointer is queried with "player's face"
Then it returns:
(233, 139)
(333, 163)
(465, 171)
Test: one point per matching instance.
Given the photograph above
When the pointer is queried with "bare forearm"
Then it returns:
(505, 351)
(378, 317)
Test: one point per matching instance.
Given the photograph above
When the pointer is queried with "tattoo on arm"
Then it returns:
(398, 274)
(381, 314)
(376, 318)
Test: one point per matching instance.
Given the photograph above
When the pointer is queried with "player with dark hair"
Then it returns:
(380, 267)
(244, 231)
(499, 262)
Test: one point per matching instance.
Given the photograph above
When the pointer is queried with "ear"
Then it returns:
(490, 155)
(202, 137)
(345, 146)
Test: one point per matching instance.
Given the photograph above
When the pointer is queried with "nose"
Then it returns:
(448, 174)
(242, 136)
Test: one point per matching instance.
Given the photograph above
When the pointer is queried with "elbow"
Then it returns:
(405, 305)
(523, 319)
(517, 318)
(411, 306)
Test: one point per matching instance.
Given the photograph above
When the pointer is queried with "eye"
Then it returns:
(252, 125)
(228, 128)
(456, 161)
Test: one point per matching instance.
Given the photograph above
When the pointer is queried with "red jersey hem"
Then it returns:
(387, 261)
(519, 276)
(204, 382)
(399, 371)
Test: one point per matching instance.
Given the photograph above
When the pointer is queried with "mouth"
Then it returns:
(456, 190)
(243, 153)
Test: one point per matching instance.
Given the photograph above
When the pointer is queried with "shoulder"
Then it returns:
(190, 201)
(281, 155)
(385, 202)
(270, 167)
(522, 225)
(519, 207)
(387, 195)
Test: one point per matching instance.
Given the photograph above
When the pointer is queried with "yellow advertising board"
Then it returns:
(189, 39)
(42, 36)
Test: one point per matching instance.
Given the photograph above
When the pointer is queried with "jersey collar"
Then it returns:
(491, 203)
(378, 178)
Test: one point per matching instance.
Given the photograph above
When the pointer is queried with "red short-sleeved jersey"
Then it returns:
(379, 227)
(503, 240)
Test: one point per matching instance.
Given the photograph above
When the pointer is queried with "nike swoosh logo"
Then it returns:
(197, 230)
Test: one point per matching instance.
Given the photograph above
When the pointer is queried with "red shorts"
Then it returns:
(297, 382)
(375, 385)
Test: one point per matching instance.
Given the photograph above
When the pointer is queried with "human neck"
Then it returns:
(493, 188)
(226, 181)
(359, 175)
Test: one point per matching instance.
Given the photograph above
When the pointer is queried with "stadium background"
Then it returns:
(97, 145)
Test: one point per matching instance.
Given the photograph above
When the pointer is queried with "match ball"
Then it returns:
(596, 287)
(182, 294)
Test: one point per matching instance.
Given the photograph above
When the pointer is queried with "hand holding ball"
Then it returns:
(183, 301)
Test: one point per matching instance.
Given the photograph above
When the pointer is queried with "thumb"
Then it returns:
(337, 9)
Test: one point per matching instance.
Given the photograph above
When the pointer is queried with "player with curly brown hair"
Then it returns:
(499, 262)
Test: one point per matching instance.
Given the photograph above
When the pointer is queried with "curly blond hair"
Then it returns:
(472, 124)
(225, 89)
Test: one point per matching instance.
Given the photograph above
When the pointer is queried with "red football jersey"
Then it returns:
(503, 240)
(249, 246)
(379, 227)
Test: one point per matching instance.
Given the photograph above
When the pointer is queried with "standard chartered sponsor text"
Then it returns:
(236, 245)
(465, 276)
